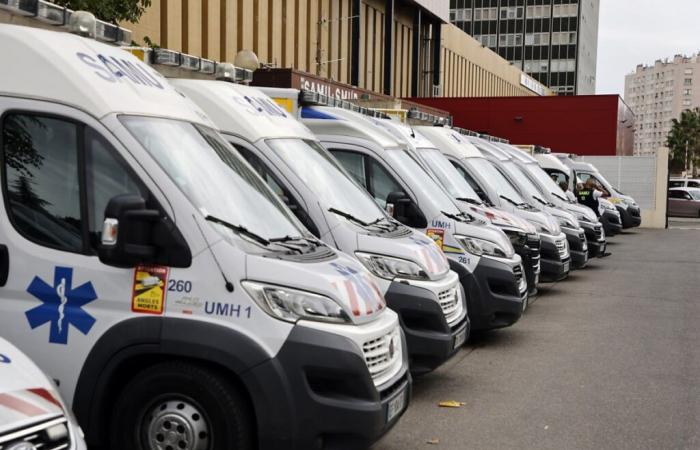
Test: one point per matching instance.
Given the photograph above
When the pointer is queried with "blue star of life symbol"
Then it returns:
(62, 305)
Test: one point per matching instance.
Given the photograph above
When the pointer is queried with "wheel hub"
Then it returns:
(176, 425)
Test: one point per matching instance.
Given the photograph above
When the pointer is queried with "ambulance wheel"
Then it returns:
(180, 406)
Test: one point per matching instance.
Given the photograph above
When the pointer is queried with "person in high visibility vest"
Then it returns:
(588, 195)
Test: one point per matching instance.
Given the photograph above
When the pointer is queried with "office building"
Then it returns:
(554, 41)
(658, 94)
(393, 47)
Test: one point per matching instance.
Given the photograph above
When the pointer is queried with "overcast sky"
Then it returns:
(642, 31)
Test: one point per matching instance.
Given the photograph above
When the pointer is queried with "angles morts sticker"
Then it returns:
(437, 235)
(148, 292)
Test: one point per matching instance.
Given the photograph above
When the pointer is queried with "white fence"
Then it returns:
(645, 178)
(632, 175)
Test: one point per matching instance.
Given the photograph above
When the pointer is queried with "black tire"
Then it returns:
(222, 406)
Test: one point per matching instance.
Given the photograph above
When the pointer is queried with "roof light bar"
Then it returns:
(229, 72)
(50, 13)
(466, 132)
(314, 98)
(416, 114)
(493, 138)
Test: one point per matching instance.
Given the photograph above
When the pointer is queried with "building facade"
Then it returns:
(554, 41)
(583, 124)
(658, 94)
(400, 48)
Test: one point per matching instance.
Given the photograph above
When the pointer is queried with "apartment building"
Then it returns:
(554, 41)
(658, 94)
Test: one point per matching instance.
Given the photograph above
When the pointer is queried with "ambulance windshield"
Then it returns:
(212, 176)
(322, 174)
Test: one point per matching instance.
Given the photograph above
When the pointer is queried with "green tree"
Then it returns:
(110, 10)
(683, 141)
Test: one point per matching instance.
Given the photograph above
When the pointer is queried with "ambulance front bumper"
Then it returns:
(631, 216)
(578, 247)
(611, 223)
(433, 316)
(554, 258)
(595, 238)
(317, 393)
(496, 292)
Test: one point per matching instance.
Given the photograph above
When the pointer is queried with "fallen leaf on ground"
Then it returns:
(435, 441)
(451, 404)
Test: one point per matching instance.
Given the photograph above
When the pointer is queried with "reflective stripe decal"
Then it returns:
(20, 406)
(46, 395)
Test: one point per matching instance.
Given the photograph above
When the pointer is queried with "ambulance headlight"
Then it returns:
(481, 247)
(291, 305)
(390, 268)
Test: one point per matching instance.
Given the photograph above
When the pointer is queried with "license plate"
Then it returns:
(396, 405)
(566, 266)
(460, 339)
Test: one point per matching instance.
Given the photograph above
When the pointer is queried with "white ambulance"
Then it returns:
(412, 272)
(143, 267)
(481, 254)
(32, 414)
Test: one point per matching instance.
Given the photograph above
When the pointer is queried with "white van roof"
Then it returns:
(242, 110)
(516, 153)
(547, 161)
(404, 132)
(326, 120)
(450, 142)
(94, 77)
(488, 148)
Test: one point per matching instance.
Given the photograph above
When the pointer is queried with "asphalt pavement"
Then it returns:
(608, 359)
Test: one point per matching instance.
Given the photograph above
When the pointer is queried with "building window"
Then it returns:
(688, 82)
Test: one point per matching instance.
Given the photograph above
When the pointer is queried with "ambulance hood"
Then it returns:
(96, 78)
(242, 110)
(341, 278)
(26, 394)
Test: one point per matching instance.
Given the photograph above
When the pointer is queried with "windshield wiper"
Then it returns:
(238, 229)
(519, 205)
(353, 218)
(461, 217)
(560, 197)
(473, 201)
(540, 200)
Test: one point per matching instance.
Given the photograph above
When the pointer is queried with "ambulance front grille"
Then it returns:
(49, 435)
(383, 354)
(450, 304)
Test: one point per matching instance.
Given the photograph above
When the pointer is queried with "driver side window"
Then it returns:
(59, 176)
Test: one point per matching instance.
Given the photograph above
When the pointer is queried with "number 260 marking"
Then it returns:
(179, 286)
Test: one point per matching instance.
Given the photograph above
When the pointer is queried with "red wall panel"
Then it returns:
(585, 125)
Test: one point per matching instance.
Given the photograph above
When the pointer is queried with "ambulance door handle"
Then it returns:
(4, 264)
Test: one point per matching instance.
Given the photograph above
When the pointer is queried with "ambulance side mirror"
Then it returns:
(402, 208)
(133, 234)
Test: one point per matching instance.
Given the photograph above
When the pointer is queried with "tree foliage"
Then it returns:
(110, 10)
(685, 135)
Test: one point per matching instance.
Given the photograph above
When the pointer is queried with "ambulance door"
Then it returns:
(59, 170)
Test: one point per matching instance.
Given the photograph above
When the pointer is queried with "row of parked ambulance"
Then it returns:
(198, 264)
